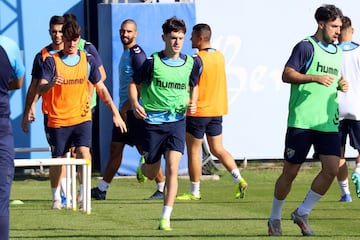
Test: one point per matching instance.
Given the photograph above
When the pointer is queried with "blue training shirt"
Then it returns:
(130, 62)
(13, 52)
(11, 67)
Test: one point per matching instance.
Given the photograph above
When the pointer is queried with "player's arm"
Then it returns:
(102, 72)
(137, 59)
(193, 97)
(90, 48)
(16, 83)
(29, 110)
(143, 74)
(295, 69)
(125, 107)
(104, 95)
(134, 94)
(49, 76)
(193, 84)
(290, 75)
(92, 88)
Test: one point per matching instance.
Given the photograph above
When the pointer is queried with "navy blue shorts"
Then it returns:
(160, 138)
(135, 134)
(298, 142)
(6, 165)
(46, 129)
(198, 126)
(351, 128)
(63, 138)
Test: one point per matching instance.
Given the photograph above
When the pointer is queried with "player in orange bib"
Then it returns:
(66, 78)
(212, 104)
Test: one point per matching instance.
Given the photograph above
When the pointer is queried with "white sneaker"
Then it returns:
(56, 205)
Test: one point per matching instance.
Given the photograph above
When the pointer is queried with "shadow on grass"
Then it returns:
(22, 177)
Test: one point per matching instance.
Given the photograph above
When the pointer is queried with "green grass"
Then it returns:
(124, 215)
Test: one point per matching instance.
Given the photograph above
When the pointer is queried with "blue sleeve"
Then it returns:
(48, 69)
(300, 57)
(138, 57)
(196, 71)
(145, 73)
(37, 65)
(13, 52)
(90, 48)
(94, 74)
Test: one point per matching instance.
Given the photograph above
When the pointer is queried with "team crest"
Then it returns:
(290, 153)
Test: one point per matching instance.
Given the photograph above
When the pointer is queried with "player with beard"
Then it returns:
(131, 60)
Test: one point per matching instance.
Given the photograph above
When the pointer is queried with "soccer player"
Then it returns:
(131, 60)
(313, 70)
(55, 32)
(65, 77)
(12, 72)
(349, 109)
(165, 80)
(211, 106)
(29, 114)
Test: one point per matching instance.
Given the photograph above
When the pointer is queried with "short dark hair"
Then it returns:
(69, 17)
(71, 30)
(346, 22)
(328, 12)
(129, 20)
(56, 20)
(174, 25)
(204, 30)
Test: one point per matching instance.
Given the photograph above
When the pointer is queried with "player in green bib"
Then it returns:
(165, 80)
(311, 105)
(313, 70)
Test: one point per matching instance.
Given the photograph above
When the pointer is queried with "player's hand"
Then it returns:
(24, 124)
(325, 80)
(139, 111)
(119, 122)
(31, 114)
(343, 85)
(27, 118)
(57, 79)
(192, 107)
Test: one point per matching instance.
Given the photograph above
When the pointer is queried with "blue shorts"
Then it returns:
(198, 126)
(135, 131)
(7, 155)
(46, 129)
(298, 142)
(160, 138)
(63, 138)
(351, 128)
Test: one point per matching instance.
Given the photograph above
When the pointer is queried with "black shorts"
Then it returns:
(160, 138)
(198, 126)
(298, 142)
(351, 128)
(135, 131)
(64, 137)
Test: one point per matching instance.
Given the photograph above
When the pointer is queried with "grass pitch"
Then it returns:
(125, 215)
